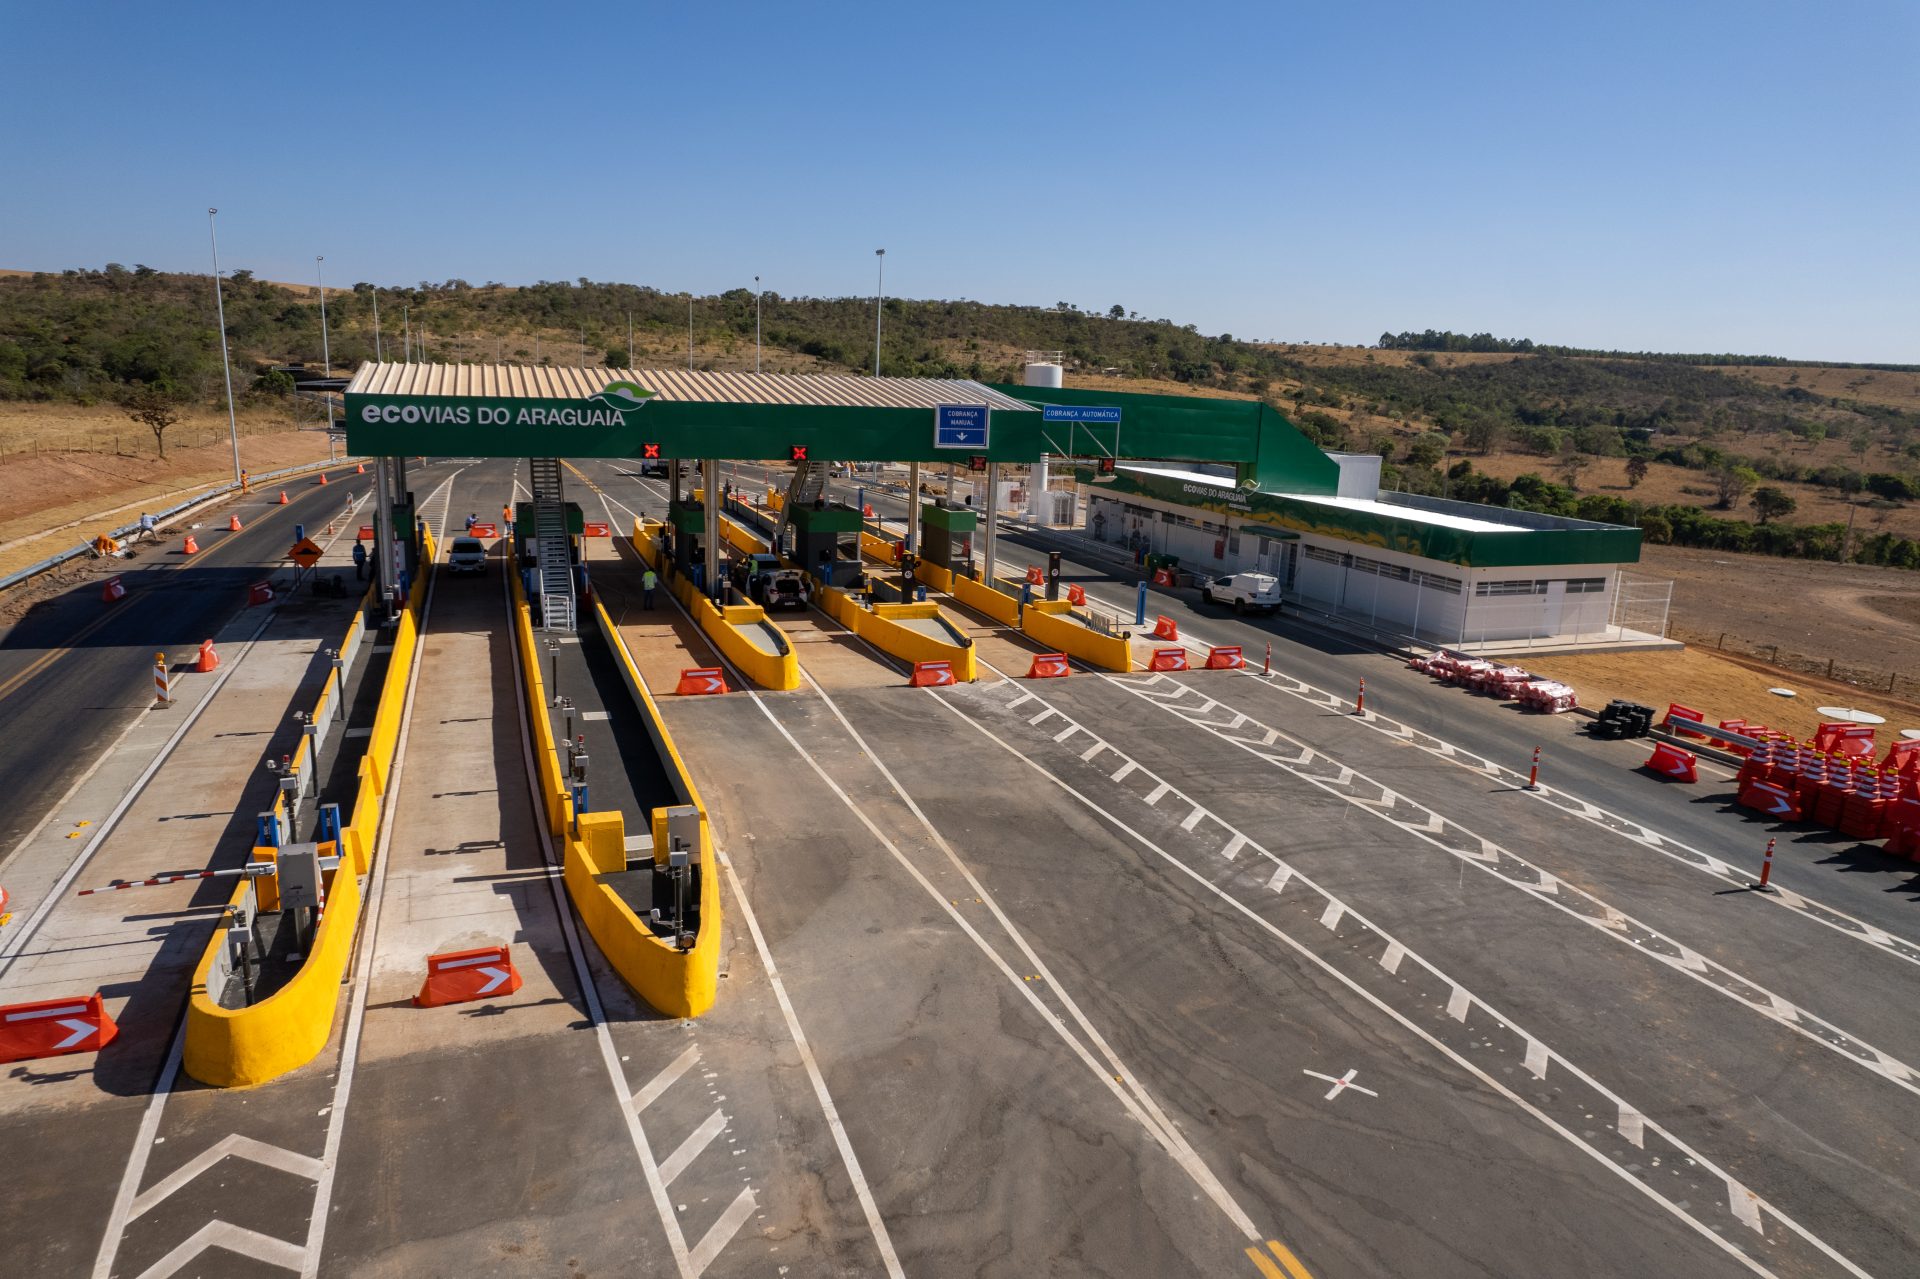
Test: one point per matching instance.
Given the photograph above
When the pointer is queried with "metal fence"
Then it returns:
(1874, 679)
(1643, 604)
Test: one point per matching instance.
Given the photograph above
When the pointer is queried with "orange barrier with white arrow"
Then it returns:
(54, 1028)
(461, 975)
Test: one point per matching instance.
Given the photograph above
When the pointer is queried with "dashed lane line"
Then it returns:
(1114, 1075)
(1651, 1159)
(1637, 832)
(1293, 756)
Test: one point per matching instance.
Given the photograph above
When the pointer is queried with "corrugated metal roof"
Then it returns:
(540, 382)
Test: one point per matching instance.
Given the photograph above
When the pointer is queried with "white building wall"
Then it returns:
(1435, 601)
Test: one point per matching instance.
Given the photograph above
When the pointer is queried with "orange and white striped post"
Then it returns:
(1360, 702)
(162, 681)
(1533, 774)
(1766, 868)
(1266, 667)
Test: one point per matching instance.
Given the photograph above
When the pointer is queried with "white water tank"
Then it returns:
(1048, 375)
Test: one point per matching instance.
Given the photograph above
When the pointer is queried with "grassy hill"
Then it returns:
(1607, 434)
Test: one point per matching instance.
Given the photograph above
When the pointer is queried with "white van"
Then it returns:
(1247, 592)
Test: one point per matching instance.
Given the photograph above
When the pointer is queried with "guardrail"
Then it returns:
(86, 548)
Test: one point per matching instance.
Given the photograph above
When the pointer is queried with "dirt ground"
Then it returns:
(1723, 688)
(43, 490)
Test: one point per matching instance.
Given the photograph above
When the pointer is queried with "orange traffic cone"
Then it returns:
(323, 477)
(208, 660)
(360, 468)
(283, 498)
(191, 548)
(233, 523)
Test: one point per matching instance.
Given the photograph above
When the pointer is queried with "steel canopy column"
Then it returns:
(913, 508)
(993, 507)
(383, 535)
(710, 520)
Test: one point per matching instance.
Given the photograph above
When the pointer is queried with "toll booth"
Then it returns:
(946, 535)
(407, 534)
(826, 542)
(687, 546)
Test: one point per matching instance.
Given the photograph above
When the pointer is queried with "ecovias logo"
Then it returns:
(613, 406)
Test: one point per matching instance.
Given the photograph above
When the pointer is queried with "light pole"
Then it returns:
(689, 332)
(220, 305)
(326, 352)
(379, 356)
(629, 339)
(756, 324)
(406, 332)
(879, 300)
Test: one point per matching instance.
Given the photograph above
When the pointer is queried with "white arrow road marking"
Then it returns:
(223, 1234)
(80, 1029)
(237, 1146)
(496, 978)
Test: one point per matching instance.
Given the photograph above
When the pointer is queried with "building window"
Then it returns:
(1586, 585)
(1450, 585)
(1484, 589)
(1233, 542)
(1325, 556)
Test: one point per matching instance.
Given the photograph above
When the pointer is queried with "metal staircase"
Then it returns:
(553, 547)
(809, 484)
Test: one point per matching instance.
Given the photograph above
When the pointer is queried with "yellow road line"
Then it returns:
(1266, 1267)
(1294, 1269)
(53, 655)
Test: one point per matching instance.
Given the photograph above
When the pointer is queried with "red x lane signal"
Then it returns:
(650, 451)
(799, 453)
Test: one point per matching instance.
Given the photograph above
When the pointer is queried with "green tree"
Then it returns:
(155, 410)
(1770, 503)
(1426, 449)
(1116, 312)
(1656, 529)
(1731, 483)
(1637, 468)
(1480, 433)
(616, 357)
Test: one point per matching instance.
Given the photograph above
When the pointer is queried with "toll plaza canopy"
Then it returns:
(488, 410)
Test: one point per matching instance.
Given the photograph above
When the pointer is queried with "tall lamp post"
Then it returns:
(879, 300)
(379, 356)
(326, 352)
(220, 305)
(756, 324)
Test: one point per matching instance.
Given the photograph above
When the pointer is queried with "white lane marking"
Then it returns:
(1536, 1059)
(1391, 957)
(1745, 1206)
(1120, 773)
(1313, 765)
(721, 1231)
(1234, 845)
(1330, 917)
(135, 1170)
(665, 1079)
(1093, 750)
(1440, 1046)
(1193, 819)
(687, 1151)
(236, 1239)
(841, 1141)
(1632, 1126)
(1132, 1096)
(1340, 1084)
(1586, 810)
(1458, 1003)
(239, 1147)
(863, 1191)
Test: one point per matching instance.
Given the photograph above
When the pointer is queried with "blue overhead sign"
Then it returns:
(960, 426)
(1080, 413)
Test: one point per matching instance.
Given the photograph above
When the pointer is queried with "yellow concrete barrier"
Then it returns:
(883, 549)
(880, 626)
(674, 982)
(935, 576)
(1051, 622)
(241, 1047)
(998, 605)
(769, 670)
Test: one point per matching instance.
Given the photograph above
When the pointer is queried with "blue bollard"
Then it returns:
(299, 534)
(920, 593)
(1140, 606)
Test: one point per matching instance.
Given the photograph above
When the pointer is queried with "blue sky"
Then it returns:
(1711, 176)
